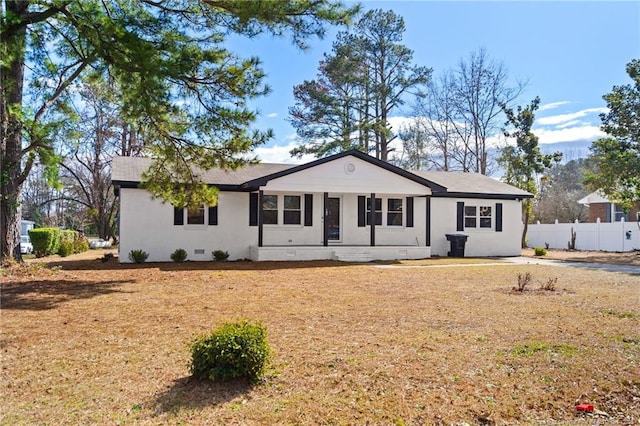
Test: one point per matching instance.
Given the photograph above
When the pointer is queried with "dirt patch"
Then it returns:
(91, 342)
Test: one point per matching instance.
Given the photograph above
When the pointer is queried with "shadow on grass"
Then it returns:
(191, 393)
(43, 295)
(240, 265)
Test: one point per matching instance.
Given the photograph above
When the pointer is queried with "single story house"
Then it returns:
(349, 206)
(600, 208)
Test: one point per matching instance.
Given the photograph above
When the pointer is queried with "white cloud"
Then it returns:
(569, 134)
(552, 105)
(571, 123)
(554, 120)
(272, 115)
(280, 154)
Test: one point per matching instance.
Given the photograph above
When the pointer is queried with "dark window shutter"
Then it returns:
(460, 216)
(178, 216)
(498, 217)
(253, 209)
(213, 215)
(308, 209)
(409, 212)
(362, 210)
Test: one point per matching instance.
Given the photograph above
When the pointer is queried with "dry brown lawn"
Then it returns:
(87, 342)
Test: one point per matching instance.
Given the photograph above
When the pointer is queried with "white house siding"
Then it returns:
(351, 234)
(147, 225)
(480, 241)
(346, 175)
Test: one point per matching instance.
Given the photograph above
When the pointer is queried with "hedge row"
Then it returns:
(48, 241)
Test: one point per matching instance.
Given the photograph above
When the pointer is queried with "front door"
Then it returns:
(333, 219)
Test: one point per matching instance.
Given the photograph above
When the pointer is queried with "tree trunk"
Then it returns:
(525, 228)
(12, 46)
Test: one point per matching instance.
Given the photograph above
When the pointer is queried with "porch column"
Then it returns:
(428, 223)
(260, 216)
(325, 221)
(372, 219)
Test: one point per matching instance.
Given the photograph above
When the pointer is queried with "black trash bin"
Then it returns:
(457, 244)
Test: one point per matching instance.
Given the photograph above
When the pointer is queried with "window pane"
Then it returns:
(292, 217)
(394, 212)
(292, 202)
(195, 215)
(270, 217)
(377, 212)
(485, 222)
(485, 211)
(470, 222)
(394, 219)
(394, 204)
(469, 210)
(270, 202)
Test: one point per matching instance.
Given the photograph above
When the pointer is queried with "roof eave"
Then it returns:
(483, 195)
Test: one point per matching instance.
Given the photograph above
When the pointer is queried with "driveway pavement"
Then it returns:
(522, 260)
(611, 267)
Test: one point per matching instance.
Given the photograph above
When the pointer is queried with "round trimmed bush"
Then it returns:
(540, 251)
(233, 350)
(138, 256)
(180, 255)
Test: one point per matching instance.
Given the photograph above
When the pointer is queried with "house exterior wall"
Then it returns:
(598, 210)
(606, 212)
(480, 241)
(147, 225)
(346, 175)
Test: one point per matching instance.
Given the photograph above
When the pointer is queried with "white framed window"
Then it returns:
(377, 211)
(387, 212)
(619, 214)
(394, 212)
(470, 216)
(292, 210)
(270, 209)
(478, 217)
(485, 213)
(195, 215)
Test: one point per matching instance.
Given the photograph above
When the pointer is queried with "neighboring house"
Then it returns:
(349, 206)
(25, 226)
(601, 208)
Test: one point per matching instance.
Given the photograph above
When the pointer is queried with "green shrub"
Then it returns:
(138, 256)
(540, 251)
(80, 243)
(220, 255)
(67, 238)
(45, 241)
(180, 255)
(233, 350)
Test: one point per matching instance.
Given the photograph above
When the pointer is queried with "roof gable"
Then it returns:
(262, 181)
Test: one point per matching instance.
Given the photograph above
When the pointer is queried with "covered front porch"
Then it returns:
(341, 253)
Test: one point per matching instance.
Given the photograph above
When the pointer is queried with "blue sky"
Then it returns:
(572, 53)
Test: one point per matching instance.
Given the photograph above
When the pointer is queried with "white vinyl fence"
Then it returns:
(614, 236)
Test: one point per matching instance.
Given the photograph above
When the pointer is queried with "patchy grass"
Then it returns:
(96, 342)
